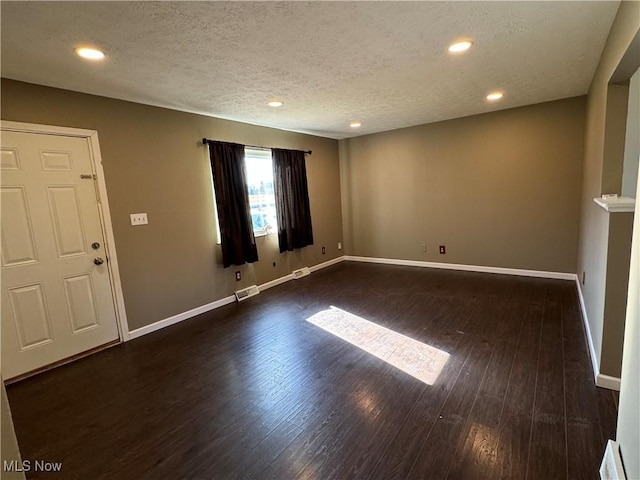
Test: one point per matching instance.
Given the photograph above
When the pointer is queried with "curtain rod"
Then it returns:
(205, 140)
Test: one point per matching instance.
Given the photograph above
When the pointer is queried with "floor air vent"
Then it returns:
(247, 292)
(302, 272)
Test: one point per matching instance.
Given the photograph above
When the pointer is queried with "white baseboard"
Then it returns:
(275, 282)
(595, 364)
(468, 268)
(604, 381)
(326, 264)
(138, 332)
(601, 380)
(286, 278)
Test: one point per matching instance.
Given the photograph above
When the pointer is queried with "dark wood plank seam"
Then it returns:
(535, 391)
(564, 392)
(504, 399)
(441, 408)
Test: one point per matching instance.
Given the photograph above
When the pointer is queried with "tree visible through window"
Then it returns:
(260, 185)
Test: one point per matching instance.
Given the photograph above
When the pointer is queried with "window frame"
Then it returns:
(263, 154)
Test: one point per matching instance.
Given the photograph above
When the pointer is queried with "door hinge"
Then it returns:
(94, 177)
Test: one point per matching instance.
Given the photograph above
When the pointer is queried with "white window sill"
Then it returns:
(616, 204)
(265, 231)
(255, 234)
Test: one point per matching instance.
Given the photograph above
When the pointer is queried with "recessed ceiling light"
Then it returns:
(355, 124)
(275, 103)
(460, 47)
(493, 96)
(89, 53)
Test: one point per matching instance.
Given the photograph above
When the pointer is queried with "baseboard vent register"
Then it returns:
(612, 468)
(245, 293)
(302, 272)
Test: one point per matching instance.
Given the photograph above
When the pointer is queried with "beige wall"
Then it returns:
(154, 164)
(592, 252)
(615, 127)
(617, 284)
(499, 189)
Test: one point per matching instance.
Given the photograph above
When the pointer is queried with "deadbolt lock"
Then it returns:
(95, 245)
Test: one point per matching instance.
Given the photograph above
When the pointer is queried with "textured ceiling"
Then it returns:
(384, 63)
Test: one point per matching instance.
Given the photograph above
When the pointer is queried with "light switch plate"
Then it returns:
(139, 219)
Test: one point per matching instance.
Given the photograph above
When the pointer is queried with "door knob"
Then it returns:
(98, 261)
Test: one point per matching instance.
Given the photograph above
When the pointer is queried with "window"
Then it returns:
(260, 185)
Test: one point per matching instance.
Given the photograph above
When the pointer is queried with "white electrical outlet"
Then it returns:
(339, 245)
(139, 219)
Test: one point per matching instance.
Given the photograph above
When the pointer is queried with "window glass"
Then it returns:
(260, 185)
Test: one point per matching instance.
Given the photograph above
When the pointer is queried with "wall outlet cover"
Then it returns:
(139, 219)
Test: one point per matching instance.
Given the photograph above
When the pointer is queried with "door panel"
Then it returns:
(81, 302)
(9, 160)
(56, 303)
(18, 248)
(65, 217)
(29, 315)
(56, 161)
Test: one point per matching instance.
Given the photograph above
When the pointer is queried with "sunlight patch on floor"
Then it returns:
(419, 360)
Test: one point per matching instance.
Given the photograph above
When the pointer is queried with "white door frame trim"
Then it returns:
(103, 206)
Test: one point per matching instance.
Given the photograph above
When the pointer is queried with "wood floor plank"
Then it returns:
(254, 391)
(607, 412)
(515, 424)
(547, 451)
(387, 396)
(583, 454)
(434, 458)
(475, 454)
(399, 456)
(582, 424)
(321, 427)
(265, 452)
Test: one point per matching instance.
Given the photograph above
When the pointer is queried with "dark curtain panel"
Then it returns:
(232, 199)
(292, 199)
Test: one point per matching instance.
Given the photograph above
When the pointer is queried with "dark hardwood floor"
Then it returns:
(253, 391)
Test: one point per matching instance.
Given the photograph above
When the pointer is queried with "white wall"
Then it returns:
(628, 435)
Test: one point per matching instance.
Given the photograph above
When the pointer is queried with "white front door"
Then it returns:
(56, 298)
